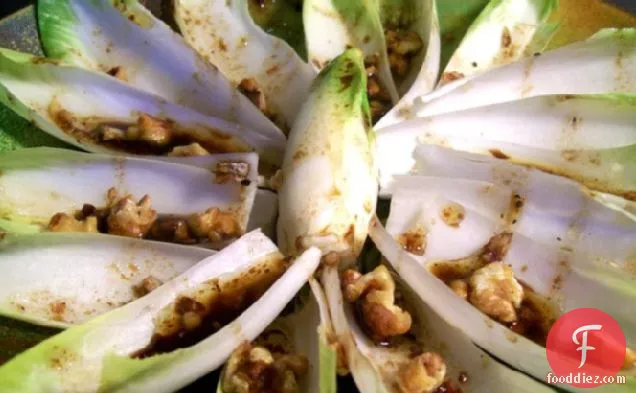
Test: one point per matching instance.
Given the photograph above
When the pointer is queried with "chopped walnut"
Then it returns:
(401, 47)
(154, 130)
(403, 43)
(460, 287)
(215, 224)
(377, 290)
(146, 286)
(191, 150)
(64, 223)
(379, 99)
(110, 133)
(127, 218)
(422, 374)
(256, 370)
(249, 87)
(630, 360)
(496, 292)
(231, 171)
(174, 230)
(399, 65)
(148, 129)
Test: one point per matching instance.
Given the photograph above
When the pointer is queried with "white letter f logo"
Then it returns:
(584, 348)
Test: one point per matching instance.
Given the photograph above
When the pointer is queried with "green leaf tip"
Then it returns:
(345, 77)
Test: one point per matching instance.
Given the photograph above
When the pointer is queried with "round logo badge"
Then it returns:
(585, 348)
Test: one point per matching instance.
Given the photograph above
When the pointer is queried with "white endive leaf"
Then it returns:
(537, 265)
(591, 139)
(374, 368)
(554, 212)
(604, 63)
(38, 183)
(35, 284)
(96, 356)
(426, 78)
(224, 34)
(333, 26)
(303, 332)
(499, 35)
(71, 103)
(329, 188)
(146, 53)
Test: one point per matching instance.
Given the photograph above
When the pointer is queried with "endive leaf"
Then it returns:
(555, 213)
(565, 244)
(602, 64)
(427, 77)
(328, 356)
(499, 35)
(38, 183)
(577, 292)
(124, 38)
(95, 356)
(331, 137)
(35, 285)
(373, 367)
(591, 139)
(67, 101)
(302, 332)
(332, 26)
(224, 33)
(455, 17)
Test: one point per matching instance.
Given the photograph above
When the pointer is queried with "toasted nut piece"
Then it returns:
(496, 292)
(422, 374)
(256, 370)
(214, 224)
(154, 130)
(112, 133)
(127, 218)
(191, 150)
(406, 43)
(377, 290)
(460, 287)
(399, 64)
(64, 223)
